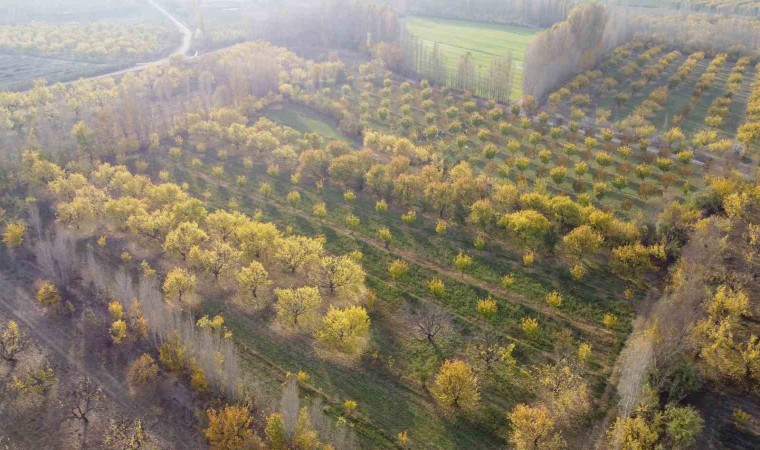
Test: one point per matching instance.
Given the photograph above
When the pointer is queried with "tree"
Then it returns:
(183, 238)
(341, 275)
(296, 251)
(124, 435)
(294, 305)
(632, 433)
(14, 234)
(530, 326)
(633, 260)
(48, 295)
(252, 278)
(84, 398)
(221, 225)
(118, 331)
(229, 428)
(437, 288)
(275, 432)
(78, 212)
(344, 329)
(85, 138)
(564, 392)
(533, 429)
(725, 349)
(456, 386)
(440, 195)
(37, 381)
(398, 268)
(486, 308)
(683, 425)
(255, 239)
(153, 226)
(482, 214)
(142, 371)
(582, 241)
(462, 262)
(12, 342)
(530, 226)
(214, 260)
(179, 286)
(554, 299)
(386, 236)
(430, 320)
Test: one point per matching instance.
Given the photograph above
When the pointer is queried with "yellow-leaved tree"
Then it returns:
(229, 428)
(345, 330)
(456, 386)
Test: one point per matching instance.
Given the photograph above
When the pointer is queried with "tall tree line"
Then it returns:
(577, 44)
(426, 59)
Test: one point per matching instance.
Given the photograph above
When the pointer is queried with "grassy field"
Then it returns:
(303, 120)
(483, 41)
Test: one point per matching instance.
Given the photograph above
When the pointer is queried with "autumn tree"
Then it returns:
(727, 350)
(221, 224)
(183, 238)
(215, 259)
(230, 428)
(12, 342)
(398, 268)
(48, 295)
(582, 241)
(533, 429)
(142, 371)
(564, 392)
(345, 330)
(386, 236)
(118, 328)
(297, 306)
(339, 275)
(674, 427)
(13, 236)
(251, 279)
(482, 214)
(293, 252)
(456, 386)
(462, 262)
(179, 286)
(634, 260)
(531, 227)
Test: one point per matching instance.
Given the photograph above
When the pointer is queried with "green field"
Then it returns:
(484, 41)
(303, 120)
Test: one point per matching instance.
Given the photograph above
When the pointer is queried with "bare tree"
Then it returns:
(430, 320)
(35, 220)
(84, 398)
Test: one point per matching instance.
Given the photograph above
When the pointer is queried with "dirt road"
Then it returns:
(183, 49)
